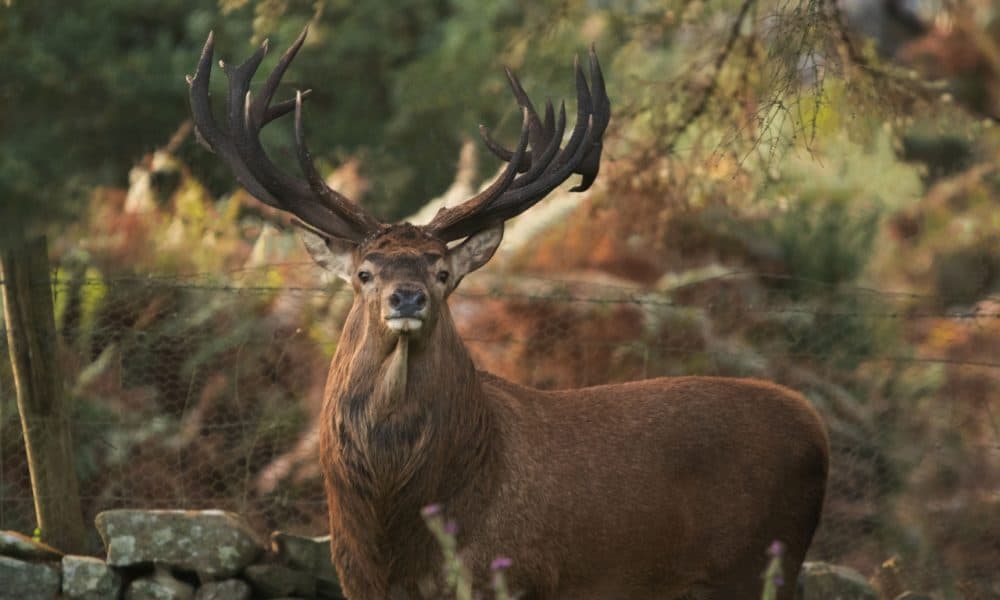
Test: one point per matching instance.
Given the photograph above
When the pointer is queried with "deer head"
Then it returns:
(402, 273)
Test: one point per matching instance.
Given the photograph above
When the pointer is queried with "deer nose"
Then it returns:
(407, 302)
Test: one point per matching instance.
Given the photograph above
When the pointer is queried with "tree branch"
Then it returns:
(720, 60)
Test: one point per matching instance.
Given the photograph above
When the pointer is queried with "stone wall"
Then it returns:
(171, 555)
(215, 555)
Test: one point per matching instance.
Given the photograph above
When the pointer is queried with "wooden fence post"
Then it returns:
(41, 400)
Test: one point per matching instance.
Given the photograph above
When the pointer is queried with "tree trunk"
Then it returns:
(41, 401)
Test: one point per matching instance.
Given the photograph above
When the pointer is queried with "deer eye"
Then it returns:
(364, 276)
(442, 276)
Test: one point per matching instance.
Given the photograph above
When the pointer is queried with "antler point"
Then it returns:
(302, 36)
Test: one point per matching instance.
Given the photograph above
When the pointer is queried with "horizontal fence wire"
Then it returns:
(192, 391)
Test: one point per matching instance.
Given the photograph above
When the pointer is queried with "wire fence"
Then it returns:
(190, 393)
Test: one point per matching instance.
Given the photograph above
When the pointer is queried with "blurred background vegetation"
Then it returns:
(801, 191)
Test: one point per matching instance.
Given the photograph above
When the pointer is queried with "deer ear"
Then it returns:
(332, 253)
(475, 251)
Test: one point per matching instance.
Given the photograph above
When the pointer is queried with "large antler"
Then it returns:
(542, 167)
(312, 201)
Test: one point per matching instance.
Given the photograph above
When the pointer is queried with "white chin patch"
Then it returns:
(403, 324)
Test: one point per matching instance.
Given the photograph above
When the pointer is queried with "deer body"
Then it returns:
(661, 487)
(652, 489)
(648, 489)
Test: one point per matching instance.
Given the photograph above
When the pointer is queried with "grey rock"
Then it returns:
(229, 589)
(913, 596)
(159, 586)
(89, 578)
(214, 543)
(28, 580)
(299, 552)
(274, 581)
(312, 555)
(823, 581)
(18, 545)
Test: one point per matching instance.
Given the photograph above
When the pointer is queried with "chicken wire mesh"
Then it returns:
(188, 393)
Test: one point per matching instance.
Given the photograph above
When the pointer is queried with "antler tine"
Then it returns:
(311, 201)
(504, 180)
(302, 150)
(282, 108)
(549, 118)
(502, 153)
(208, 130)
(201, 108)
(548, 165)
(239, 88)
(316, 181)
(262, 112)
(545, 159)
(316, 190)
(259, 110)
(553, 159)
(602, 104)
(446, 217)
(590, 164)
(540, 133)
(525, 197)
(514, 202)
(583, 111)
(536, 130)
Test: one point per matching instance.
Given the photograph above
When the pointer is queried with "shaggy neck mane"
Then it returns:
(407, 426)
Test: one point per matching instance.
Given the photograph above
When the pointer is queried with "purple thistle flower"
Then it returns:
(430, 510)
(501, 562)
(779, 580)
(776, 549)
(451, 528)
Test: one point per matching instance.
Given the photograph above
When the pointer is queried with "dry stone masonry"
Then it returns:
(171, 555)
(212, 543)
(215, 555)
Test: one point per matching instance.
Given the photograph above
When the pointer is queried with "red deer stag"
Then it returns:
(651, 489)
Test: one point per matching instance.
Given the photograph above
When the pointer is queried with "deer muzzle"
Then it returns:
(406, 308)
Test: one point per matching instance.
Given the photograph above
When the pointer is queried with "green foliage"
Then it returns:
(90, 451)
(457, 577)
(95, 84)
(811, 242)
(772, 575)
(808, 252)
(821, 240)
(88, 87)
